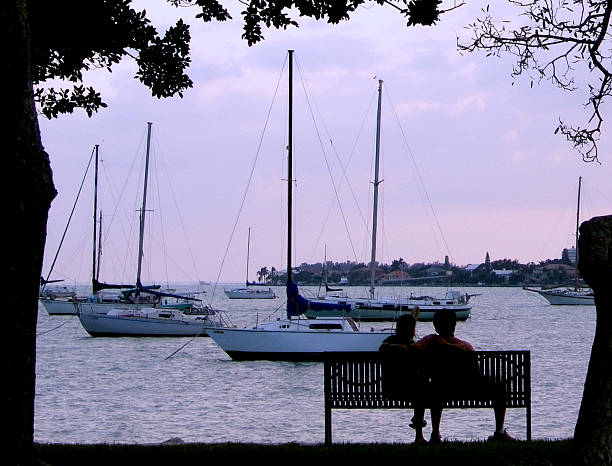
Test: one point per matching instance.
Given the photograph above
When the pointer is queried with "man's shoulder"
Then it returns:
(464, 345)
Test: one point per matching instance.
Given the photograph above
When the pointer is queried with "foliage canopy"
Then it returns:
(68, 39)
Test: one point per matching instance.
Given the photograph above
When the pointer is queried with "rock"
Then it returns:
(173, 441)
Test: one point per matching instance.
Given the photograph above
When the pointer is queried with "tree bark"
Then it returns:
(593, 434)
(28, 174)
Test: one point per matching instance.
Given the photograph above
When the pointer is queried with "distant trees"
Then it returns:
(549, 272)
(398, 264)
(262, 274)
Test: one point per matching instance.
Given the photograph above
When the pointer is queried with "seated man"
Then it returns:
(451, 373)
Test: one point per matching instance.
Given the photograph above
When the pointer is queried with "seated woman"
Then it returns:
(402, 374)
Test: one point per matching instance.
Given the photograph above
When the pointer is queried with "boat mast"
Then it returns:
(248, 252)
(290, 167)
(144, 206)
(376, 183)
(95, 215)
(577, 225)
(99, 246)
(325, 267)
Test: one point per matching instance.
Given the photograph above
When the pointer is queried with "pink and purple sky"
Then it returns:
(496, 176)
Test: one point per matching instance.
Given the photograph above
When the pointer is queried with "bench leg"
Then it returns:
(529, 422)
(328, 426)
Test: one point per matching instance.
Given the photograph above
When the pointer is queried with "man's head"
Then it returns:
(406, 325)
(444, 322)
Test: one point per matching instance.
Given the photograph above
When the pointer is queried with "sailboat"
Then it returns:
(296, 338)
(136, 316)
(68, 303)
(381, 308)
(246, 292)
(576, 295)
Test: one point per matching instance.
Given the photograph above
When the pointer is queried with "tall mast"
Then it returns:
(325, 267)
(95, 215)
(376, 183)
(144, 207)
(290, 167)
(99, 246)
(248, 252)
(577, 225)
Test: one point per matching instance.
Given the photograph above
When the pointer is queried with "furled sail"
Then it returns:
(98, 286)
(298, 305)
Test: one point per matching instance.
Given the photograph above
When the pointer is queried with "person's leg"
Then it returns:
(500, 434)
(436, 416)
(418, 423)
(500, 416)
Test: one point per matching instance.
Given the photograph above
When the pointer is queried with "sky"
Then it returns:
(469, 161)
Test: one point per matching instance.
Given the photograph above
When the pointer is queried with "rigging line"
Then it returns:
(71, 213)
(161, 217)
(117, 199)
(326, 161)
(175, 263)
(249, 180)
(54, 328)
(343, 166)
(178, 212)
(568, 206)
(345, 177)
(283, 305)
(186, 343)
(405, 141)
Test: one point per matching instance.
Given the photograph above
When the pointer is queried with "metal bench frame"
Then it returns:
(354, 381)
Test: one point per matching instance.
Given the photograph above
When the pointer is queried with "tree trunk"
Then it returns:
(27, 169)
(593, 434)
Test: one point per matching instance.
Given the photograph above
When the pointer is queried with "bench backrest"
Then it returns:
(357, 381)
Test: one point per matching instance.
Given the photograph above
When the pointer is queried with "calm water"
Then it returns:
(125, 390)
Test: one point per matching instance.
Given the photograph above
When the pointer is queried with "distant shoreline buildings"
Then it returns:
(502, 272)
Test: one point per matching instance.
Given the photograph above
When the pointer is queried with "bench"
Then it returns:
(355, 381)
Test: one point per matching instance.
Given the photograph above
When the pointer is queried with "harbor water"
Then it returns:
(135, 390)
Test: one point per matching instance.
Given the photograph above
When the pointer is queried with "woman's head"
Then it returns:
(406, 325)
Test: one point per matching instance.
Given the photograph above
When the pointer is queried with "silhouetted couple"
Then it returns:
(436, 368)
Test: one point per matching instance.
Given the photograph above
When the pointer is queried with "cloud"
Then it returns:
(468, 103)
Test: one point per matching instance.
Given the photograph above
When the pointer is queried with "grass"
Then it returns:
(539, 452)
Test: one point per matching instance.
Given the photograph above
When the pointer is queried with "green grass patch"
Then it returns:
(540, 452)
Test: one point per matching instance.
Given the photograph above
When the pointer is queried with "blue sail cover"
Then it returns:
(298, 305)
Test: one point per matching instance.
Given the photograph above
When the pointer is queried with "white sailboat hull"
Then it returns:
(65, 307)
(390, 310)
(292, 340)
(55, 307)
(567, 297)
(130, 323)
(249, 293)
